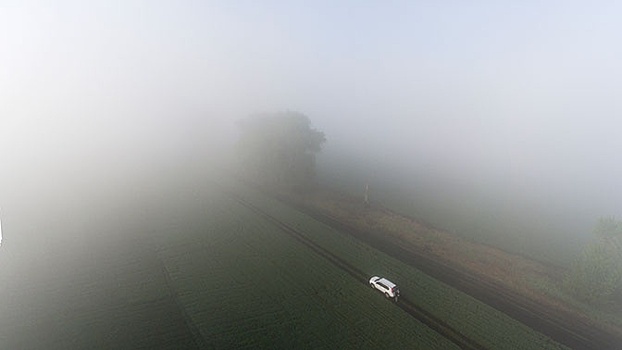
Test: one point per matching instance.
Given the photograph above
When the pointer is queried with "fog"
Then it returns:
(519, 101)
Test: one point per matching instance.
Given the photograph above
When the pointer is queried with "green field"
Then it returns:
(244, 283)
(479, 322)
(193, 268)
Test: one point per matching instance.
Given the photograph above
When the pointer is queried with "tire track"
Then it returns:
(423, 316)
(199, 340)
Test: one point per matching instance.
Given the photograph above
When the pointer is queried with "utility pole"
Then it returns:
(367, 195)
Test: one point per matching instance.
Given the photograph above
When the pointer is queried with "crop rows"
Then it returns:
(244, 283)
(474, 319)
(118, 299)
(425, 317)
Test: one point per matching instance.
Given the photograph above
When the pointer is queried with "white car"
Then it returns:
(387, 287)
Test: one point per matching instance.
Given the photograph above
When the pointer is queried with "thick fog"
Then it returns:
(519, 99)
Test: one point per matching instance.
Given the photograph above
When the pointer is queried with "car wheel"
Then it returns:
(372, 286)
(386, 295)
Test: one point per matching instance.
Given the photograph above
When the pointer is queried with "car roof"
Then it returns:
(386, 282)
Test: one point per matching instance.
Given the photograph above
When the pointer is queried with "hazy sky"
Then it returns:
(530, 90)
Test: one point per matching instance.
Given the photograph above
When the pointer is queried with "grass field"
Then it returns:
(546, 230)
(246, 284)
(478, 321)
(191, 271)
(189, 267)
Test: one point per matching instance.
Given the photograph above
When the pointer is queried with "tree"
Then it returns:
(279, 148)
(596, 276)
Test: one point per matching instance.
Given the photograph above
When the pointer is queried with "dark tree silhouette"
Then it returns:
(279, 148)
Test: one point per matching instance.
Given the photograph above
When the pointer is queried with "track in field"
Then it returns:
(575, 335)
(423, 316)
